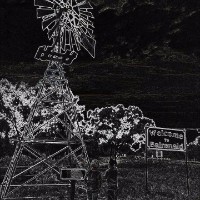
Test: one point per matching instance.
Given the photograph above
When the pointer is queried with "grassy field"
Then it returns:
(166, 181)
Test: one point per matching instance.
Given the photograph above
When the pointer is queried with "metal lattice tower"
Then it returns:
(53, 117)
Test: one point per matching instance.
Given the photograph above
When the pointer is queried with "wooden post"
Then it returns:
(187, 172)
(186, 164)
(146, 159)
(73, 182)
(72, 192)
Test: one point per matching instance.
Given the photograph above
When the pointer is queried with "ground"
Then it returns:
(166, 181)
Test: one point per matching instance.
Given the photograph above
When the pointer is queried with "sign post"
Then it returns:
(164, 139)
(146, 171)
(186, 163)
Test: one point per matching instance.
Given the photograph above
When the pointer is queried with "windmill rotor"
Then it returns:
(69, 25)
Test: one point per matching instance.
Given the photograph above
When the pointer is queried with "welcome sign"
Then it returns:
(166, 139)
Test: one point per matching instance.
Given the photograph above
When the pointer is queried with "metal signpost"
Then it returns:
(164, 139)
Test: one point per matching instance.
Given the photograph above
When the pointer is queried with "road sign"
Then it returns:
(166, 139)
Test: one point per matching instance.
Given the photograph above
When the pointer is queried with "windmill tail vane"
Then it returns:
(69, 25)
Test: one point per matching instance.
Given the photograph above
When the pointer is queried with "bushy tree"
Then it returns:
(118, 127)
(15, 103)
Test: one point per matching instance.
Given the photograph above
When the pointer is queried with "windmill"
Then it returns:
(53, 117)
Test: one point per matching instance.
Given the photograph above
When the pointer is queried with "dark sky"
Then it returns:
(146, 55)
(135, 29)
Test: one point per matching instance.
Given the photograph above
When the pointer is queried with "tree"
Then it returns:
(197, 141)
(118, 126)
(15, 103)
(194, 149)
(5, 147)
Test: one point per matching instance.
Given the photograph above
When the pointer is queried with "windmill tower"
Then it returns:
(52, 121)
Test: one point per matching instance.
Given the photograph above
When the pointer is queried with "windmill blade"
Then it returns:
(48, 21)
(88, 44)
(88, 31)
(64, 40)
(87, 14)
(86, 22)
(80, 3)
(44, 3)
(76, 39)
(68, 40)
(41, 12)
(86, 6)
(53, 29)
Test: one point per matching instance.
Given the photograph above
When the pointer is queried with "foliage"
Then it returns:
(5, 161)
(15, 103)
(23, 161)
(49, 176)
(194, 152)
(197, 141)
(118, 126)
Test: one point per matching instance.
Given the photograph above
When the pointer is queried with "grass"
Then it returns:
(166, 181)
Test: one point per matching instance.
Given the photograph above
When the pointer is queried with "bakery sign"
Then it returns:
(166, 139)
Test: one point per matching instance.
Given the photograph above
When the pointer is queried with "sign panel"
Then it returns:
(166, 139)
(72, 174)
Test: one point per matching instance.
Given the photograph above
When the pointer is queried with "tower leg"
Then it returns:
(10, 171)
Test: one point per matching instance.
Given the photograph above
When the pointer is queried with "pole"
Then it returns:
(73, 182)
(187, 173)
(72, 192)
(146, 160)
